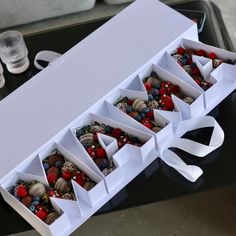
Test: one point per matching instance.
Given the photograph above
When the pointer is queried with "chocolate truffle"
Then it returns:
(27, 200)
(37, 190)
(51, 217)
(52, 159)
(62, 186)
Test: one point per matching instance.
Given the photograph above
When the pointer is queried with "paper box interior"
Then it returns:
(81, 86)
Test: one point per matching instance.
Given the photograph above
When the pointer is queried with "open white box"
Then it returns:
(96, 69)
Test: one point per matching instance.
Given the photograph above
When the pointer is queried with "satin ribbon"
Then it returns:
(45, 55)
(192, 172)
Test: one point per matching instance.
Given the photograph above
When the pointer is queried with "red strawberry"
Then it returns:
(149, 114)
(21, 191)
(190, 61)
(162, 91)
(180, 51)
(41, 214)
(148, 86)
(195, 71)
(174, 89)
(148, 125)
(101, 153)
(95, 137)
(198, 81)
(167, 103)
(91, 151)
(52, 178)
(147, 122)
(200, 52)
(80, 178)
(130, 102)
(165, 84)
(116, 133)
(212, 55)
(66, 175)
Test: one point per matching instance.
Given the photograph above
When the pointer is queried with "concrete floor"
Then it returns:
(212, 213)
(203, 214)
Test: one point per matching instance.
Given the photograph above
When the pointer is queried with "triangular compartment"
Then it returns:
(109, 143)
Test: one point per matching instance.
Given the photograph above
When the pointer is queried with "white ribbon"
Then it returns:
(191, 172)
(48, 56)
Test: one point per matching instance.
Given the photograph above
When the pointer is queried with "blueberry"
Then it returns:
(129, 109)
(142, 115)
(154, 74)
(204, 87)
(145, 110)
(134, 139)
(186, 56)
(58, 164)
(108, 129)
(36, 199)
(32, 208)
(150, 97)
(184, 61)
(138, 118)
(45, 165)
(193, 65)
(79, 133)
(154, 92)
(34, 203)
(156, 86)
(102, 164)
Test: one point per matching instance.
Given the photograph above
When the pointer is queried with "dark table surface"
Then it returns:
(158, 181)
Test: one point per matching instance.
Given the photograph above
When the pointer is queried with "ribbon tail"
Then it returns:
(45, 55)
(190, 172)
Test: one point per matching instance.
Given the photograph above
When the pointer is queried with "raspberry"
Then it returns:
(52, 178)
(41, 214)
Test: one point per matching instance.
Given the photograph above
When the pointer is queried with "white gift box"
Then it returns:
(43, 113)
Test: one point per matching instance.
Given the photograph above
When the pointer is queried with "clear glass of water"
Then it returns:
(13, 51)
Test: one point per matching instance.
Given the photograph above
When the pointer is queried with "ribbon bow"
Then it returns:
(192, 172)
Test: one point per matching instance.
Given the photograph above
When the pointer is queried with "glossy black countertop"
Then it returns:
(158, 181)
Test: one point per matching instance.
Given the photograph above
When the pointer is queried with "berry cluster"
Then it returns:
(184, 58)
(35, 197)
(87, 135)
(59, 175)
(159, 97)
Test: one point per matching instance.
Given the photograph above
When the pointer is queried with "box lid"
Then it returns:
(40, 108)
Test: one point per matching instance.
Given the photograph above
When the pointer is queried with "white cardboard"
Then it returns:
(39, 117)
(122, 47)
